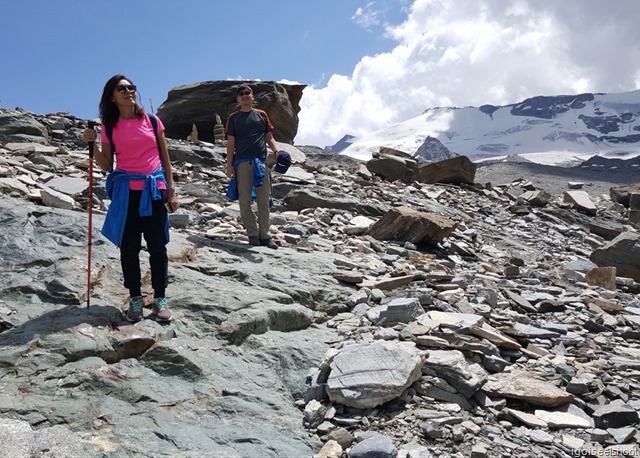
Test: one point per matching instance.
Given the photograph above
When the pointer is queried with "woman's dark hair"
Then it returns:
(109, 112)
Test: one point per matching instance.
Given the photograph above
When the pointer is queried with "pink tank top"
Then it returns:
(136, 148)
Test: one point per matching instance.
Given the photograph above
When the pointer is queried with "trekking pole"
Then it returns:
(92, 125)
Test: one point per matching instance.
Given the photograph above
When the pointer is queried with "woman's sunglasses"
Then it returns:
(243, 93)
(126, 87)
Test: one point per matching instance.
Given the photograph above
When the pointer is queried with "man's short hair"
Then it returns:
(244, 87)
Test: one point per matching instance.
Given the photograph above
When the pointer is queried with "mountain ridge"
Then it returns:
(563, 129)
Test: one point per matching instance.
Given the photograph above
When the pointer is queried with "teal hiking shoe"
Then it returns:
(136, 306)
(161, 310)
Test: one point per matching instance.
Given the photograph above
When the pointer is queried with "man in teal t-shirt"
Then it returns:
(248, 132)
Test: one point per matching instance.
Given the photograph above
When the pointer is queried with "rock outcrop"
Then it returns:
(200, 104)
(394, 166)
(623, 252)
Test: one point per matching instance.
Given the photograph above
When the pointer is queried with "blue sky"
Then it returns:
(367, 64)
(57, 55)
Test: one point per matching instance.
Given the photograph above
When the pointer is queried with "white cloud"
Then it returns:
(367, 17)
(474, 52)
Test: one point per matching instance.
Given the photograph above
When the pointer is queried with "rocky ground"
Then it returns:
(597, 179)
(500, 337)
(597, 175)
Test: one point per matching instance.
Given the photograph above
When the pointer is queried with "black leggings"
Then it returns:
(152, 227)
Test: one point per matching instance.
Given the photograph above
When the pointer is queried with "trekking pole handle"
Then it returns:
(92, 125)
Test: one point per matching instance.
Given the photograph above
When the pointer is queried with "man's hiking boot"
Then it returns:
(269, 243)
(136, 306)
(161, 310)
(254, 240)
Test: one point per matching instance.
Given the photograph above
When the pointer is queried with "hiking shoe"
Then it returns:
(269, 243)
(136, 306)
(161, 310)
(254, 240)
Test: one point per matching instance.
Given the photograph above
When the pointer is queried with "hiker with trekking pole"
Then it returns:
(141, 190)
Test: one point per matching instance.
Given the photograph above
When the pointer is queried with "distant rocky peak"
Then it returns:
(547, 107)
(340, 145)
(432, 150)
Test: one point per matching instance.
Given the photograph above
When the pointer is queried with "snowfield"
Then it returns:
(608, 126)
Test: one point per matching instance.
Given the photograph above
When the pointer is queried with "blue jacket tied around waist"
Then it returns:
(258, 178)
(118, 192)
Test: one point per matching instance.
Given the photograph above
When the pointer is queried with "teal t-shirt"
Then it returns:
(249, 129)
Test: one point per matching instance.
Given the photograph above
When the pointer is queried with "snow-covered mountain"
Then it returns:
(559, 130)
